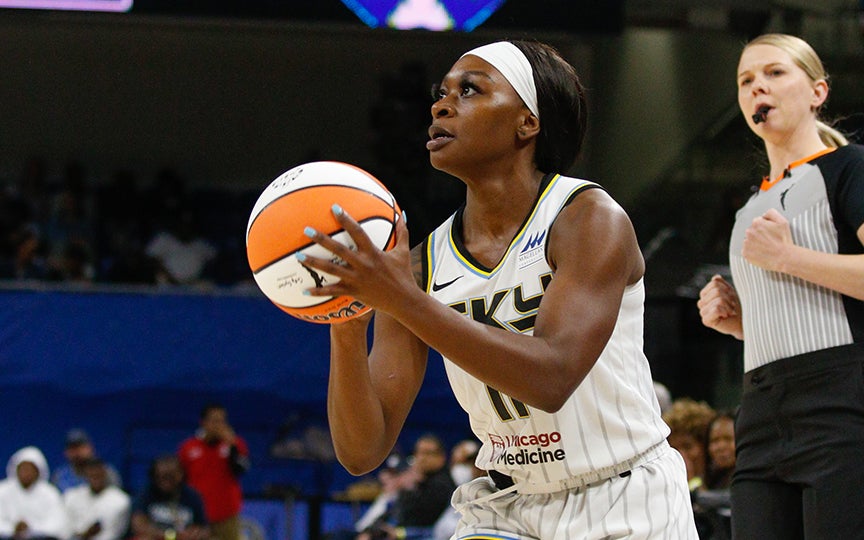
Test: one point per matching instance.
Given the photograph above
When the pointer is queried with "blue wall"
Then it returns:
(134, 367)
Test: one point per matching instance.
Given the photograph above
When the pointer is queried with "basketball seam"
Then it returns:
(310, 243)
(389, 203)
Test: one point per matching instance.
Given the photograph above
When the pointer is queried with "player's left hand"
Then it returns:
(767, 241)
(380, 279)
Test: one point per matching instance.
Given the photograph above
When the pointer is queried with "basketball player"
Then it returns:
(533, 293)
(797, 259)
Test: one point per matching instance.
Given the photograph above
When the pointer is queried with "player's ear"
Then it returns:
(529, 126)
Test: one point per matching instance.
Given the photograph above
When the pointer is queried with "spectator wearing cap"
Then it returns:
(388, 477)
(78, 451)
(379, 511)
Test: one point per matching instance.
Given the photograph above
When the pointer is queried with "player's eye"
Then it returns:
(437, 91)
(469, 88)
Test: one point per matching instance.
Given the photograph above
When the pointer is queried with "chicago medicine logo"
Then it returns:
(532, 449)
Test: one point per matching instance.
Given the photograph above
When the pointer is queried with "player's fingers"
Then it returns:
(402, 240)
(352, 228)
(342, 255)
(334, 266)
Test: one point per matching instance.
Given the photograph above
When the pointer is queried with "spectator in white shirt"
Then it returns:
(97, 510)
(181, 253)
(30, 506)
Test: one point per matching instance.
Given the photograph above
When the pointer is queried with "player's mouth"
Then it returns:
(438, 138)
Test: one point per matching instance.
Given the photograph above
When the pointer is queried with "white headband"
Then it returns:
(514, 65)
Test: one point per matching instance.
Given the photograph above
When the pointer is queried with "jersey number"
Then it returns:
(482, 312)
(501, 408)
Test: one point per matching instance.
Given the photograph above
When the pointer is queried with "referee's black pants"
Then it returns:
(800, 449)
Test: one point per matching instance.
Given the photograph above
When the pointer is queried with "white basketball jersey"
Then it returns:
(612, 417)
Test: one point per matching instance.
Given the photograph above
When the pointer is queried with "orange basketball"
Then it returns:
(301, 197)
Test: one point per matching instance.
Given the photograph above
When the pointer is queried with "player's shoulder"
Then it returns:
(588, 201)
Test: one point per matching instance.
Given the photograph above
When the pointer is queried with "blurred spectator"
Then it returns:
(18, 211)
(688, 421)
(26, 259)
(68, 230)
(425, 489)
(126, 262)
(34, 187)
(720, 451)
(379, 510)
(121, 231)
(24, 202)
(213, 460)
(462, 470)
(462, 457)
(78, 451)
(664, 397)
(70, 221)
(74, 264)
(426, 486)
(97, 510)
(168, 509)
(712, 504)
(30, 507)
(165, 199)
(181, 252)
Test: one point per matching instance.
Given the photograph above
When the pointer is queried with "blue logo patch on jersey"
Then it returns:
(534, 241)
(533, 250)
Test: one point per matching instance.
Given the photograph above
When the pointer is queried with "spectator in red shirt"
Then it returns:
(214, 459)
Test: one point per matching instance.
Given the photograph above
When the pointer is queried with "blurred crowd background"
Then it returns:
(134, 145)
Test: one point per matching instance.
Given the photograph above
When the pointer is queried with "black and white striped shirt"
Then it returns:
(783, 316)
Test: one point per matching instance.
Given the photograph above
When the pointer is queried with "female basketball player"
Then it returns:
(533, 293)
(796, 259)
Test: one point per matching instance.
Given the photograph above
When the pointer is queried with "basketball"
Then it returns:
(303, 196)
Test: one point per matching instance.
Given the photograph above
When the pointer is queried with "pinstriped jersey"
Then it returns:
(783, 316)
(612, 416)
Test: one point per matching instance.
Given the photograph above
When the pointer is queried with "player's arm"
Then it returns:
(595, 255)
(369, 396)
(594, 250)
